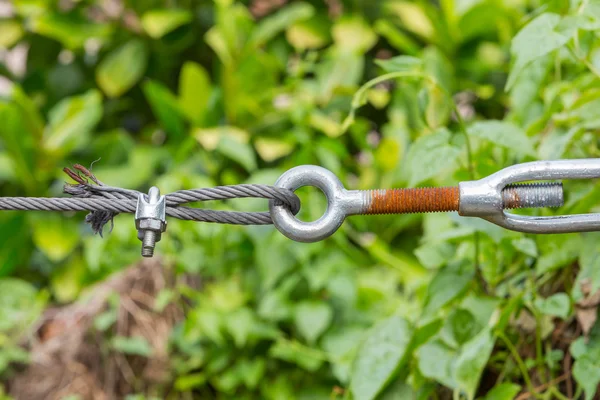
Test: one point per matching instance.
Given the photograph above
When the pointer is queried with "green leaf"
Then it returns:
(503, 391)
(526, 246)
(472, 360)
(71, 121)
(538, 38)
(557, 305)
(586, 371)
(165, 107)
(158, 23)
(503, 133)
(312, 33)
(353, 34)
(55, 235)
(10, 33)
(271, 26)
(272, 149)
(70, 30)
(312, 319)
(135, 345)
(557, 251)
(20, 305)
(68, 280)
(400, 63)
(589, 263)
(185, 383)
(238, 151)
(194, 91)
(445, 287)
(463, 326)
(122, 68)
(295, 353)
(379, 357)
(16, 242)
(429, 156)
(437, 361)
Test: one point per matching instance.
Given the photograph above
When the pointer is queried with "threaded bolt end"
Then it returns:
(418, 200)
(439, 199)
(530, 195)
(148, 243)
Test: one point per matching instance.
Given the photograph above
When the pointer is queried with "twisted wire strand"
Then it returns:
(104, 202)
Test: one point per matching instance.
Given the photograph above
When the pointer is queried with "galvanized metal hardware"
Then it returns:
(486, 198)
(150, 219)
(483, 198)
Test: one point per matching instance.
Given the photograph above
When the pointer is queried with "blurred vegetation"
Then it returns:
(195, 93)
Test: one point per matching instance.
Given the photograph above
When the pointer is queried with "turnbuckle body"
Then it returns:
(486, 198)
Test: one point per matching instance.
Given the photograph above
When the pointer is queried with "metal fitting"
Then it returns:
(483, 198)
(150, 220)
(486, 198)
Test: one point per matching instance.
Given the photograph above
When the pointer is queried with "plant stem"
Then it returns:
(520, 363)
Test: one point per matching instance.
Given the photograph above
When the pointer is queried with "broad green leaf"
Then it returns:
(230, 141)
(10, 33)
(271, 26)
(526, 246)
(55, 235)
(19, 143)
(296, 353)
(400, 63)
(538, 38)
(557, 252)
(353, 34)
(503, 391)
(166, 108)
(396, 37)
(445, 287)
(20, 305)
(158, 23)
(272, 149)
(194, 91)
(312, 33)
(122, 68)
(398, 390)
(504, 134)
(434, 255)
(312, 319)
(68, 280)
(71, 121)
(555, 143)
(463, 326)
(437, 361)
(238, 151)
(134, 345)
(429, 156)
(413, 18)
(379, 357)
(185, 383)
(472, 360)
(341, 342)
(71, 31)
(239, 324)
(557, 305)
(586, 371)
(589, 263)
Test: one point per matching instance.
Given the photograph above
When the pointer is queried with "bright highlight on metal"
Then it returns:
(486, 198)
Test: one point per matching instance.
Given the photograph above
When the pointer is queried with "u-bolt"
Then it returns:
(487, 198)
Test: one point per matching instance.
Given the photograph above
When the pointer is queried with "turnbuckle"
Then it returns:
(486, 198)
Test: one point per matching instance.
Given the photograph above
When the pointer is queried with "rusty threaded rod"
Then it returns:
(439, 199)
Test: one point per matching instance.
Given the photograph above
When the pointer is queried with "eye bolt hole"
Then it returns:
(313, 203)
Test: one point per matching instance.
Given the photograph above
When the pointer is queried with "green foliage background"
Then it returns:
(189, 93)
